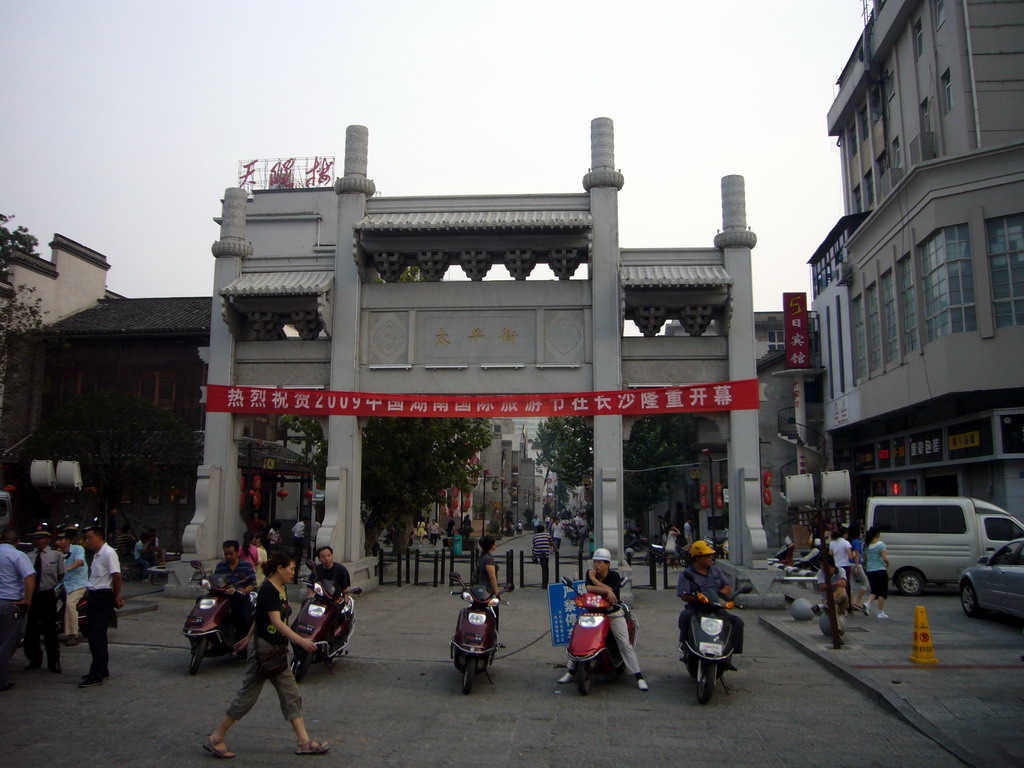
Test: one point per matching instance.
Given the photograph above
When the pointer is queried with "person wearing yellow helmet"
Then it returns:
(707, 576)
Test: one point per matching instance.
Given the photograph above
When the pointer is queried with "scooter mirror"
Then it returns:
(567, 581)
(196, 563)
(456, 576)
(311, 565)
(510, 588)
(745, 590)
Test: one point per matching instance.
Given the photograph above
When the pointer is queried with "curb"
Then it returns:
(141, 606)
(887, 699)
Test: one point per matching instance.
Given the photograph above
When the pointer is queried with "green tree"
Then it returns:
(17, 240)
(314, 444)
(21, 323)
(566, 447)
(408, 462)
(122, 442)
(655, 441)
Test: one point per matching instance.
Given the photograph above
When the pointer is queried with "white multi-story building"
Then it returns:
(919, 288)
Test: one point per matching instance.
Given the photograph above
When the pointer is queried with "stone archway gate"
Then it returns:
(307, 303)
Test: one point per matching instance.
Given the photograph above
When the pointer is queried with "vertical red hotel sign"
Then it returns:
(798, 345)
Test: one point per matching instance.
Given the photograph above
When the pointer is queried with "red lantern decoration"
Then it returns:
(257, 482)
(282, 493)
(766, 497)
(703, 495)
(308, 495)
(256, 499)
(719, 496)
(241, 483)
(10, 488)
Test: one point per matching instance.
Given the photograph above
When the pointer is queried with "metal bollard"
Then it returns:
(380, 567)
(522, 568)
(653, 567)
(406, 567)
(509, 565)
(435, 566)
(580, 557)
(444, 561)
(416, 572)
(664, 573)
(558, 576)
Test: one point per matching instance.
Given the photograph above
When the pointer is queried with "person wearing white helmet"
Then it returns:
(602, 580)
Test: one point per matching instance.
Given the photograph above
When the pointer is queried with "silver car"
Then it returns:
(996, 584)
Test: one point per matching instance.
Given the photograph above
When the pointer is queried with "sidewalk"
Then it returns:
(971, 702)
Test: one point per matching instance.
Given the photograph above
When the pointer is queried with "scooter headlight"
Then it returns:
(467, 597)
(316, 610)
(207, 603)
(318, 589)
(711, 626)
(205, 583)
(477, 618)
(589, 620)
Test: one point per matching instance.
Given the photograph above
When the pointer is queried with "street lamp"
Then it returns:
(711, 494)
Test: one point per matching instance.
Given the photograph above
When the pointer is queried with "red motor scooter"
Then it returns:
(209, 627)
(475, 641)
(327, 618)
(592, 645)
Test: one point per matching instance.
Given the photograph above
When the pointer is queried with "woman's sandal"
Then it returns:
(222, 752)
(313, 748)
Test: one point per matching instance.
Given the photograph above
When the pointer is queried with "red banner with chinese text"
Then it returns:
(798, 343)
(695, 398)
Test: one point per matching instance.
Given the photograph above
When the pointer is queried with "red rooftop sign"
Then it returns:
(286, 173)
(798, 345)
(697, 398)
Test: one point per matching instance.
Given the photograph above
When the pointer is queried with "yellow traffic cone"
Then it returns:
(923, 652)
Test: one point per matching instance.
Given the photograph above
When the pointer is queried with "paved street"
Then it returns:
(396, 700)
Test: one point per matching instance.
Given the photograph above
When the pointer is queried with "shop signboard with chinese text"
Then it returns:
(286, 173)
(969, 439)
(926, 447)
(563, 610)
(797, 341)
(1011, 428)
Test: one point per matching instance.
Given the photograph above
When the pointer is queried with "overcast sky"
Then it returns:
(124, 122)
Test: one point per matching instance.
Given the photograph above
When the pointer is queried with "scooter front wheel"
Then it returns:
(707, 673)
(584, 674)
(198, 652)
(468, 673)
(300, 664)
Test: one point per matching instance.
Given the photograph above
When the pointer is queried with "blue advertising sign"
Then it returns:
(562, 603)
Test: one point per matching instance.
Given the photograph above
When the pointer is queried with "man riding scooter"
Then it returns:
(328, 570)
(706, 575)
(241, 577)
(602, 580)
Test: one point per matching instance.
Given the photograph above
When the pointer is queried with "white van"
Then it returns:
(936, 538)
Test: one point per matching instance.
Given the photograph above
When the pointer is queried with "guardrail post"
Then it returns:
(580, 558)
(407, 579)
(435, 567)
(510, 567)
(380, 567)
(416, 573)
(558, 576)
(653, 568)
(522, 568)
(664, 573)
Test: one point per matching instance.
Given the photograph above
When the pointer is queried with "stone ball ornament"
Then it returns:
(801, 609)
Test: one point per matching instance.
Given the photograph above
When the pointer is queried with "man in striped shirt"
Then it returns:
(541, 551)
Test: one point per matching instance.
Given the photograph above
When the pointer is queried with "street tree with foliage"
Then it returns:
(123, 443)
(655, 442)
(17, 240)
(408, 462)
(566, 447)
(313, 445)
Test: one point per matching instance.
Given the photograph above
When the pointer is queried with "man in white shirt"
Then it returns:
(17, 585)
(104, 595)
(841, 548)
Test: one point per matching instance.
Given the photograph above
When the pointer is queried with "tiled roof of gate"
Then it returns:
(279, 284)
(674, 276)
(141, 316)
(475, 220)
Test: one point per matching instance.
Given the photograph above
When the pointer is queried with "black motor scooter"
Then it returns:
(327, 618)
(709, 642)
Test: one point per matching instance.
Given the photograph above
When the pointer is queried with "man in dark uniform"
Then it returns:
(42, 615)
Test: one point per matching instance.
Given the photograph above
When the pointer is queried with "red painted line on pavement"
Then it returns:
(938, 666)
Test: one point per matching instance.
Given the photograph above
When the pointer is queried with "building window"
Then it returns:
(926, 116)
(948, 282)
(74, 384)
(857, 206)
(892, 346)
(897, 161)
(940, 13)
(869, 190)
(905, 269)
(862, 124)
(157, 387)
(889, 85)
(859, 340)
(947, 92)
(874, 329)
(776, 340)
(851, 141)
(918, 39)
(1006, 264)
